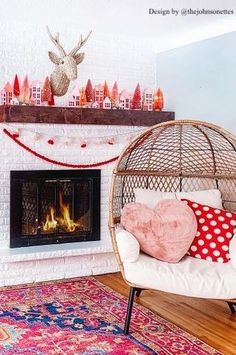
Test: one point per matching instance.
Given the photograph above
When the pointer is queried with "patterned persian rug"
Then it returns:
(85, 317)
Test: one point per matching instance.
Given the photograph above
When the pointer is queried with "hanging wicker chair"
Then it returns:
(180, 155)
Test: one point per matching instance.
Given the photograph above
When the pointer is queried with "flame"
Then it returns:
(64, 221)
(50, 222)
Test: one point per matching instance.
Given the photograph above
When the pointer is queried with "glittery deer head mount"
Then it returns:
(66, 64)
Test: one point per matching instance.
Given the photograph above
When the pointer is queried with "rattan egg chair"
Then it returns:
(181, 155)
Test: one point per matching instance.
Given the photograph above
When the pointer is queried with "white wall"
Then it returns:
(199, 80)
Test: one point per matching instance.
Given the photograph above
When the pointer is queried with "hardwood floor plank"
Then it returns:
(209, 320)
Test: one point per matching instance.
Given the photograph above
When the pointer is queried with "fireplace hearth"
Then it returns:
(48, 207)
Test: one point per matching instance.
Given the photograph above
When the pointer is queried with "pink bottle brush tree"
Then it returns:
(46, 94)
(115, 96)
(89, 92)
(106, 90)
(82, 98)
(24, 97)
(137, 99)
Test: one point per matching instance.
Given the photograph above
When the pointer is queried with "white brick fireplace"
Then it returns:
(108, 56)
(39, 263)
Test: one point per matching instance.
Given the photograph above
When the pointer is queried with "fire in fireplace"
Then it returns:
(50, 207)
(63, 220)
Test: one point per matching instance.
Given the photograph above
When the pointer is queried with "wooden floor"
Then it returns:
(210, 321)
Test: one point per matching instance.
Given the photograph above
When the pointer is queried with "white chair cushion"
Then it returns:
(190, 277)
(232, 250)
(128, 246)
(206, 197)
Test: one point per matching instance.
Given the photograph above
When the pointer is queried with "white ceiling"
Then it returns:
(127, 17)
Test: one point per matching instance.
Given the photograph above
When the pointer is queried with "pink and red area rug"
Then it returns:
(84, 317)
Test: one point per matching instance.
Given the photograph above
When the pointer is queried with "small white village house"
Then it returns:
(95, 104)
(148, 100)
(35, 93)
(73, 99)
(6, 94)
(99, 94)
(125, 100)
(106, 103)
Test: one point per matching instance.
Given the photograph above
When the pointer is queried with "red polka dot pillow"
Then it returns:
(216, 228)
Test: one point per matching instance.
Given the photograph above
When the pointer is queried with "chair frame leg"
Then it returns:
(231, 307)
(138, 292)
(132, 292)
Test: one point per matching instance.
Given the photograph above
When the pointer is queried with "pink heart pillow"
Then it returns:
(165, 232)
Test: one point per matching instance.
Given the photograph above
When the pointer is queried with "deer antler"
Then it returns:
(55, 40)
(80, 44)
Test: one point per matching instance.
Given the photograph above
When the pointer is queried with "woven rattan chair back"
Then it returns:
(177, 156)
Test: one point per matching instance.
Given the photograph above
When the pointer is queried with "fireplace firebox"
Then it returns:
(59, 206)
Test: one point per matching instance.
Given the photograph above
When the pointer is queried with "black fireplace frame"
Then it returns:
(17, 177)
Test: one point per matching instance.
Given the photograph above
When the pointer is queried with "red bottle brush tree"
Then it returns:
(16, 87)
(46, 94)
(89, 91)
(136, 102)
(51, 102)
(24, 97)
(158, 103)
(82, 98)
(115, 95)
(106, 90)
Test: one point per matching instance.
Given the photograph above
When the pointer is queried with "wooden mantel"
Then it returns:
(68, 115)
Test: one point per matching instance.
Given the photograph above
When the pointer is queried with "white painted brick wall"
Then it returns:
(24, 47)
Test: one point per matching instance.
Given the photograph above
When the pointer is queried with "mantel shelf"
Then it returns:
(68, 115)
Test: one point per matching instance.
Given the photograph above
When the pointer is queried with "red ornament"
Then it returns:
(16, 86)
(111, 141)
(51, 141)
(136, 102)
(83, 145)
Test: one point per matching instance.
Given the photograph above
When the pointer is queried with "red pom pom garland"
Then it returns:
(15, 137)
